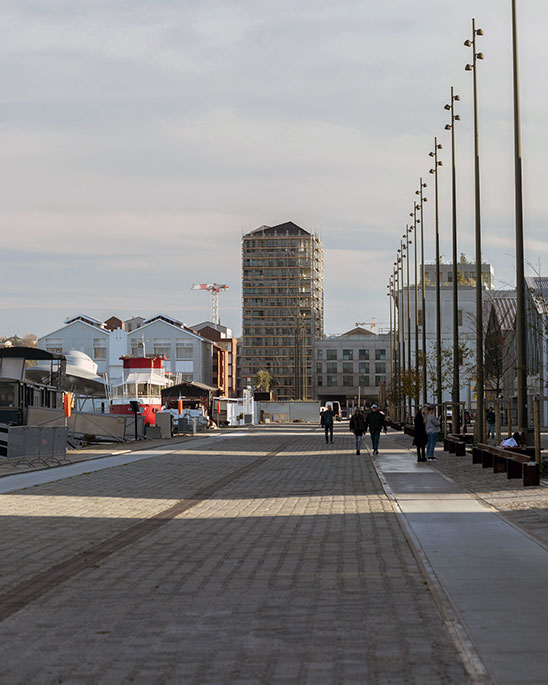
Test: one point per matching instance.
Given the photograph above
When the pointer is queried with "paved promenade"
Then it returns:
(254, 558)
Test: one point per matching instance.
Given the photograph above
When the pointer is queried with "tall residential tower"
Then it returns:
(282, 307)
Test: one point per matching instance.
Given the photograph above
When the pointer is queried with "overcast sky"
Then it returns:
(141, 138)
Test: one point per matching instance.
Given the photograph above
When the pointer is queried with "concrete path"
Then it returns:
(269, 557)
(492, 572)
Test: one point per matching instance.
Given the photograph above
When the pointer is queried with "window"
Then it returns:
(364, 381)
(363, 354)
(184, 351)
(331, 367)
(379, 380)
(331, 381)
(99, 349)
(450, 277)
(332, 354)
(319, 354)
(54, 345)
(380, 367)
(348, 355)
(380, 355)
(162, 348)
(319, 381)
(348, 367)
(348, 381)
(363, 367)
(319, 367)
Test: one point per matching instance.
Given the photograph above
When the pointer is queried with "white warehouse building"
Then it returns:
(188, 355)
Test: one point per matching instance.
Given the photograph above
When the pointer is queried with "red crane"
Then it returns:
(214, 289)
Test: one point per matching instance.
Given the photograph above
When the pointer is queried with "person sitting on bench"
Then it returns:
(511, 442)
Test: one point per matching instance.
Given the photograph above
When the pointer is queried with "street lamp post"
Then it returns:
(480, 374)
(455, 394)
(521, 321)
(414, 229)
(397, 316)
(406, 249)
(402, 316)
(423, 295)
(434, 154)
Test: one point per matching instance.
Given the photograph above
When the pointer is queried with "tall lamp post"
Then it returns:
(434, 154)
(405, 252)
(521, 321)
(480, 374)
(414, 229)
(397, 315)
(423, 295)
(455, 394)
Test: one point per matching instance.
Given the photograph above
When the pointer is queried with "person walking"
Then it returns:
(420, 438)
(375, 422)
(432, 429)
(326, 421)
(491, 420)
(357, 426)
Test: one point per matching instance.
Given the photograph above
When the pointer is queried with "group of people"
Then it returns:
(427, 428)
(374, 422)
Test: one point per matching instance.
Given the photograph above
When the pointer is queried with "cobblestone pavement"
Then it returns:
(525, 507)
(295, 571)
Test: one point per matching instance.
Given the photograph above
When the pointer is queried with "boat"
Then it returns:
(142, 381)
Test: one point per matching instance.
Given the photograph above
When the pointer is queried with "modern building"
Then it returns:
(225, 364)
(282, 307)
(352, 367)
(189, 356)
(466, 274)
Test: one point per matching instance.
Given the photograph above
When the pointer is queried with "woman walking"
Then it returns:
(421, 438)
(357, 426)
(432, 429)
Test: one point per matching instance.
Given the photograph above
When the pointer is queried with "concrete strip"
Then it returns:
(488, 568)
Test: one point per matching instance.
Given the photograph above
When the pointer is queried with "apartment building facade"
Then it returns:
(353, 365)
(282, 307)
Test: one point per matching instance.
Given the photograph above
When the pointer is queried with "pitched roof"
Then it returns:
(357, 332)
(287, 228)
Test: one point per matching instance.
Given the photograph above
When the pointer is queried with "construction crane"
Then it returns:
(214, 289)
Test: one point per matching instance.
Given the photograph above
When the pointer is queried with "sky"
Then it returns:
(141, 138)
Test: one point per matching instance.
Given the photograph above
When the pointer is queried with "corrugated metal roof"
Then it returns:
(505, 308)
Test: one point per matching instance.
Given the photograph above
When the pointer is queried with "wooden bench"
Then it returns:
(515, 462)
(456, 443)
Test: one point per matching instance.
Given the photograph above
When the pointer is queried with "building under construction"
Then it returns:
(282, 307)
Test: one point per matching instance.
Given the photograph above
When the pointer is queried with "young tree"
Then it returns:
(264, 380)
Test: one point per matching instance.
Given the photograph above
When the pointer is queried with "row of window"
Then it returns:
(99, 353)
(349, 367)
(348, 355)
(275, 242)
(249, 290)
(274, 342)
(349, 381)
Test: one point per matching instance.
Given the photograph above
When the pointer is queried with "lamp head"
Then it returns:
(447, 127)
(440, 146)
(480, 55)
(457, 117)
(468, 67)
(479, 32)
(440, 163)
(456, 97)
(468, 43)
(448, 107)
(432, 171)
(430, 154)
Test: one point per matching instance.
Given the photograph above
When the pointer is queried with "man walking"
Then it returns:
(326, 421)
(491, 420)
(376, 422)
(357, 426)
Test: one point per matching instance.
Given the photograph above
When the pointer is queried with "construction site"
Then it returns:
(282, 307)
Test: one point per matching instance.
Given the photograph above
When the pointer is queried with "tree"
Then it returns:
(467, 366)
(264, 380)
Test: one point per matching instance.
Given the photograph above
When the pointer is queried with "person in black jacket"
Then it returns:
(376, 422)
(357, 426)
(421, 438)
(326, 421)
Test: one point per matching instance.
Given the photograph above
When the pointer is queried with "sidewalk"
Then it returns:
(491, 572)
(268, 557)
